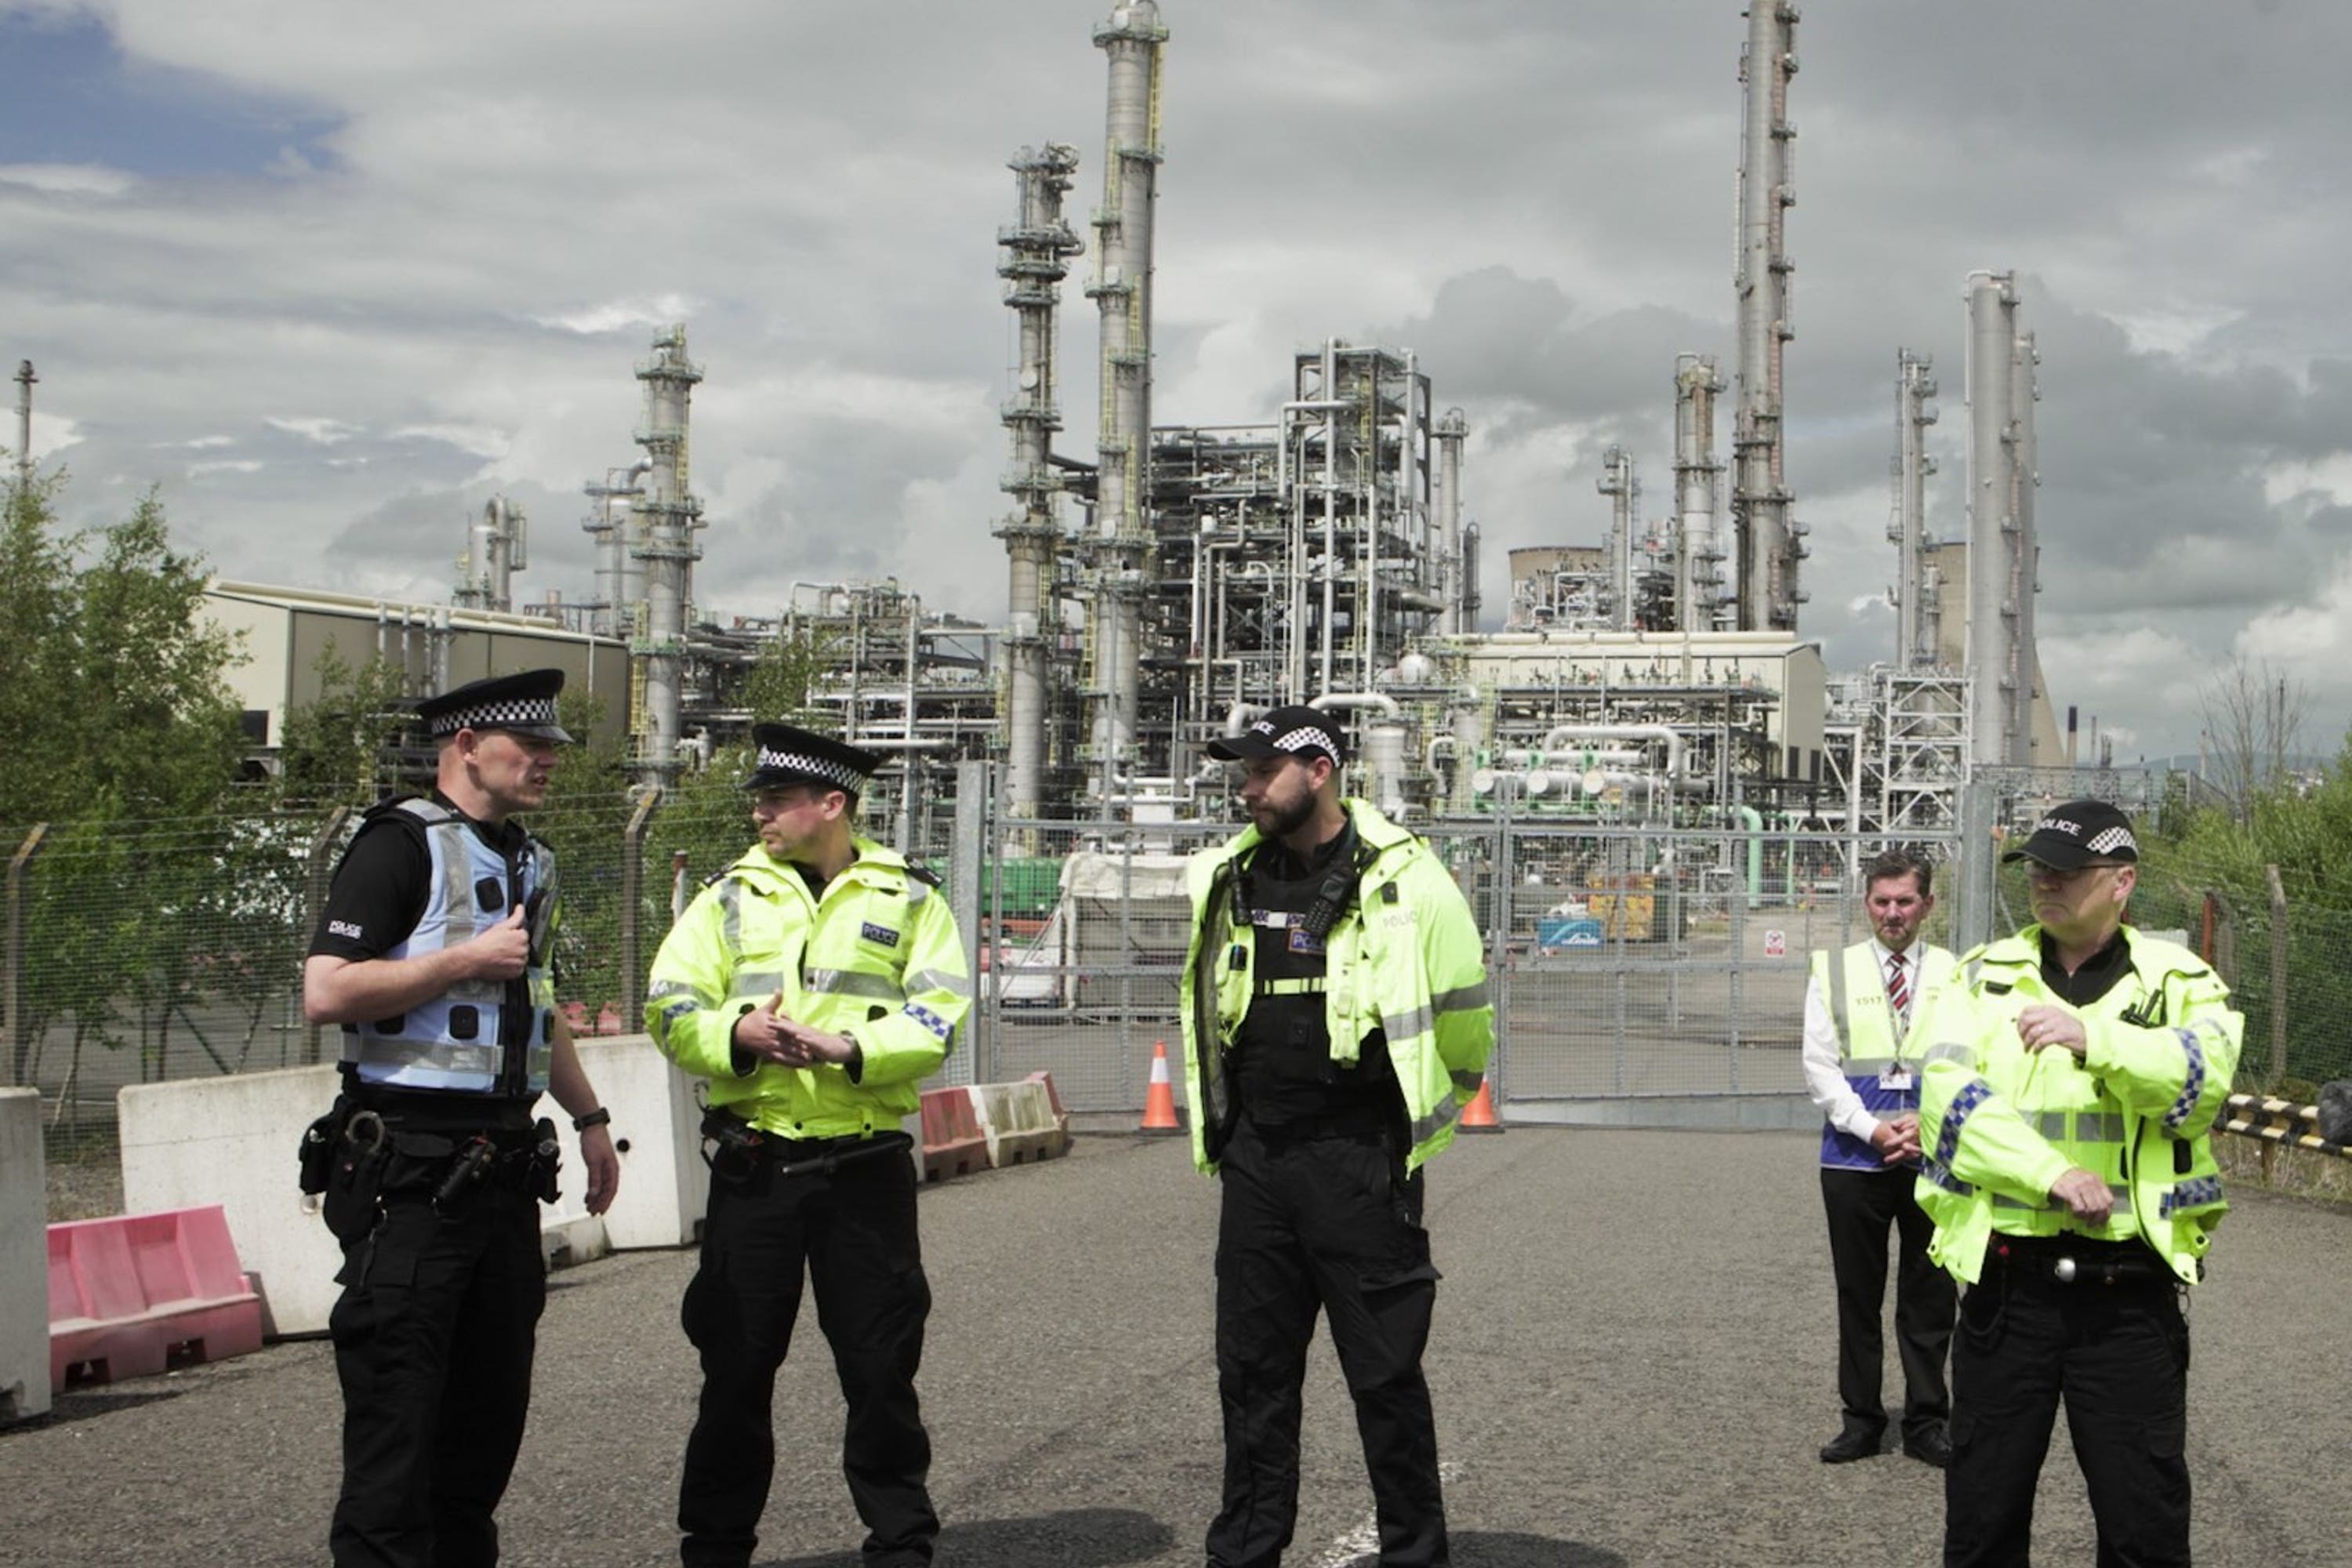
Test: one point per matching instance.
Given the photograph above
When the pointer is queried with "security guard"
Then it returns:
(1336, 995)
(432, 954)
(1858, 1010)
(2073, 1074)
(816, 984)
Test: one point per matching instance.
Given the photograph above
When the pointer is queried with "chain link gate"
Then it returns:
(1640, 976)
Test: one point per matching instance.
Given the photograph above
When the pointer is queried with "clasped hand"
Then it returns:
(773, 1036)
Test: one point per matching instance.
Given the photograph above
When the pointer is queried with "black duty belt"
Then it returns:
(2079, 1260)
(1361, 1126)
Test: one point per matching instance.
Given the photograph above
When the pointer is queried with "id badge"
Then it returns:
(1895, 1082)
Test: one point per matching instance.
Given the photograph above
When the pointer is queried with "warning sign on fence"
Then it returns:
(1776, 942)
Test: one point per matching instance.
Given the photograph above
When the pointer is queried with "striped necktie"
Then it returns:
(1898, 990)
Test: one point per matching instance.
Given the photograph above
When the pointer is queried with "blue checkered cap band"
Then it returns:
(513, 712)
(830, 769)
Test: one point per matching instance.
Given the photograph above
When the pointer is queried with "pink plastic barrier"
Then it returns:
(954, 1144)
(131, 1295)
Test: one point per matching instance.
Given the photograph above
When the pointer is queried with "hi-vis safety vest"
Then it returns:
(1854, 987)
(460, 1040)
(877, 956)
(1997, 1123)
(1405, 958)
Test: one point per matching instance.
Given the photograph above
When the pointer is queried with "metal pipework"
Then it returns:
(25, 383)
(1037, 249)
(495, 550)
(1768, 537)
(1915, 388)
(1700, 602)
(1618, 483)
(617, 586)
(1122, 289)
(2000, 547)
(667, 549)
(1450, 431)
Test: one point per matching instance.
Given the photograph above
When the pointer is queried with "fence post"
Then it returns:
(318, 872)
(14, 1026)
(2278, 974)
(970, 849)
(1972, 920)
(633, 881)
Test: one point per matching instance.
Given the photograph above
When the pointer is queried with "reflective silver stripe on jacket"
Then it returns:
(1440, 1115)
(938, 979)
(2122, 1196)
(1405, 1025)
(2088, 1126)
(1952, 1052)
(1462, 998)
(852, 983)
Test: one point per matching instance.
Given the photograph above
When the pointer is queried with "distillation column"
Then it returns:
(667, 549)
(1122, 291)
(1037, 249)
(2000, 547)
(2025, 566)
(613, 612)
(1617, 482)
(1914, 593)
(496, 549)
(1700, 602)
(1769, 538)
(1460, 596)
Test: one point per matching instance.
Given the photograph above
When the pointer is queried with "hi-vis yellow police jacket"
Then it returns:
(1405, 958)
(876, 957)
(1999, 1123)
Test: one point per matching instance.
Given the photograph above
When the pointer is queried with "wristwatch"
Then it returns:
(600, 1117)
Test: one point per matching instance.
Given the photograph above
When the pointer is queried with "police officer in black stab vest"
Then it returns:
(432, 954)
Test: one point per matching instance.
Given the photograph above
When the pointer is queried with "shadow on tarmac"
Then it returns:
(1510, 1549)
(1075, 1538)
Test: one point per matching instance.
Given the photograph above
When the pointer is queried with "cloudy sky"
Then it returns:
(330, 276)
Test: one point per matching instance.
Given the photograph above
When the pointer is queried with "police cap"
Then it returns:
(520, 704)
(1296, 731)
(2076, 833)
(786, 755)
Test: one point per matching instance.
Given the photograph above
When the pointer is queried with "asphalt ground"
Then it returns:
(1633, 1364)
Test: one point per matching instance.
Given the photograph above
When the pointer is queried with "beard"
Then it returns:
(1282, 821)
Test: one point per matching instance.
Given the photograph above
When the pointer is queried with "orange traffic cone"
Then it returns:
(1478, 1116)
(1160, 1098)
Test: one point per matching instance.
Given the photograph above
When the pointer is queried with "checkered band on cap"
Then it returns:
(1304, 736)
(2113, 839)
(507, 713)
(830, 769)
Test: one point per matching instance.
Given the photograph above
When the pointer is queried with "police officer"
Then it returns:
(1858, 1006)
(1336, 997)
(432, 954)
(2073, 1074)
(816, 984)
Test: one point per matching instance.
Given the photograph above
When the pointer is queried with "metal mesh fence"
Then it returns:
(1627, 964)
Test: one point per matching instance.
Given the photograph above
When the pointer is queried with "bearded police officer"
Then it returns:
(1859, 1006)
(1336, 996)
(433, 954)
(816, 984)
(2073, 1075)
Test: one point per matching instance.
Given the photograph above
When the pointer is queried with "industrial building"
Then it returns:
(1170, 582)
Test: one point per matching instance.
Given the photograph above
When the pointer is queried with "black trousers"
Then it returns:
(1861, 1205)
(433, 1339)
(1327, 1223)
(852, 1231)
(2118, 1356)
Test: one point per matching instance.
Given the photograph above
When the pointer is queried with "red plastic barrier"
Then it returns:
(131, 1295)
(954, 1144)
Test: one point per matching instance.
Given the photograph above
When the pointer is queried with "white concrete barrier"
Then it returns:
(232, 1142)
(1020, 1121)
(24, 1258)
(657, 1129)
